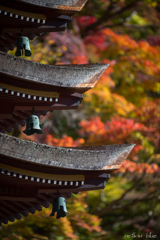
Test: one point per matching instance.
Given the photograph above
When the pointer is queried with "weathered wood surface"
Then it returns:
(75, 76)
(43, 170)
(74, 5)
(84, 158)
(25, 84)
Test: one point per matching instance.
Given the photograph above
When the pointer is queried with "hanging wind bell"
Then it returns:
(59, 206)
(33, 126)
(23, 44)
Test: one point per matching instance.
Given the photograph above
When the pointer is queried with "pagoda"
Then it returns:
(34, 17)
(25, 85)
(33, 175)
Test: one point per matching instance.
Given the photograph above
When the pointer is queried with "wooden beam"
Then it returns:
(23, 199)
(9, 211)
(40, 175)
(42, 202)
(18, 120)
(11, 123)
(26, 91)
(14, 208)
(45, 197)
(5, 44)
(34, 205)
(10, 38)
(34, 30)
(24, 207)
(21, 114)
(5, 216)
(5, 127)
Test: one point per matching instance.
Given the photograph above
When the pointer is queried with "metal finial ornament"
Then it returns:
(23, 44)
(59, 206)
(33, 126)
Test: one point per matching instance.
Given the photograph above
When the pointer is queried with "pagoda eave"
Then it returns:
(27, 85)
(66, 5)
(18, 18)
(32, 174)
(98, 157)
(70, 76)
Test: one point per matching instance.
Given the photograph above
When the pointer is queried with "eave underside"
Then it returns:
(25, 85)
(31, 173)
(33, 19)
(17, 106)
(27, 187)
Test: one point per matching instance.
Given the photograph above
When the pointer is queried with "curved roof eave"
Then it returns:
(70, 76)
(74, 5)
(83, 158)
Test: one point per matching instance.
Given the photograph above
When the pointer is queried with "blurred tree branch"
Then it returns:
(129, 26)
(110, 206)
(109, 14)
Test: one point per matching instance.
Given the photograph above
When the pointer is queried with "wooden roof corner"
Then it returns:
(32, 173)
(33, 85)
(107, 157)
(74, 5)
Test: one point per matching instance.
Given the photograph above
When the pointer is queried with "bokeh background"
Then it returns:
(124, 107)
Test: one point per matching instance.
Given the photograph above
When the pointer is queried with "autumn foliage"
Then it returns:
(122, 108)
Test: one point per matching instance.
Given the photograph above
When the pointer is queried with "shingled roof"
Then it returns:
(79, 77)
(25, 85)
(74, 5)
(84, 158)
(32, 173)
